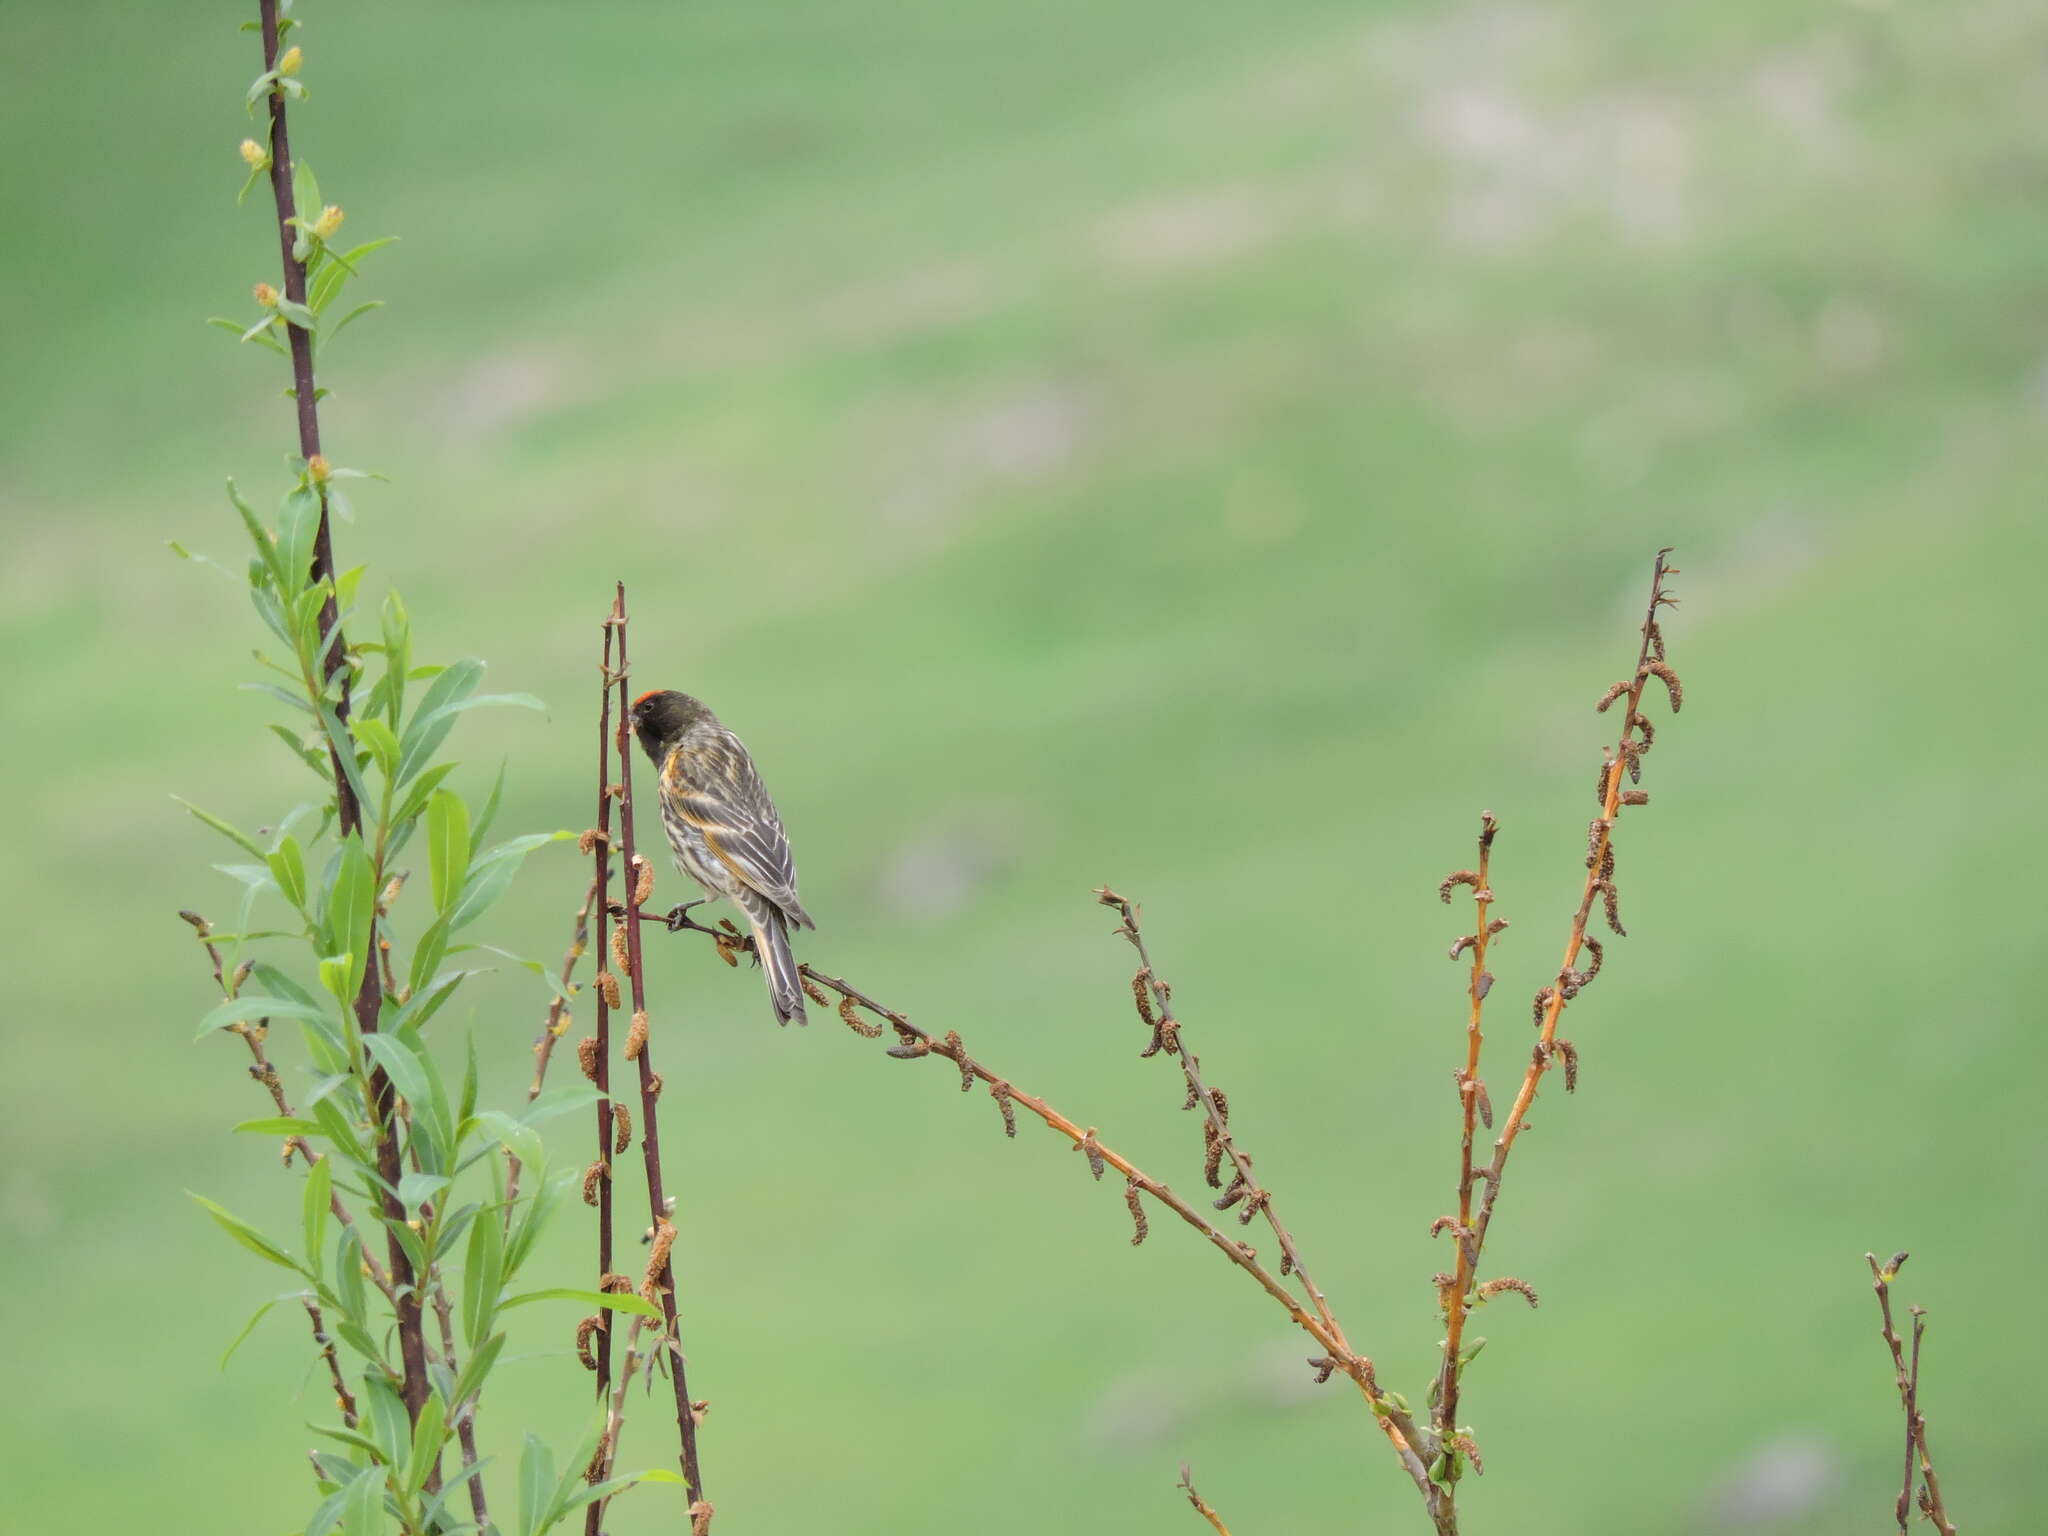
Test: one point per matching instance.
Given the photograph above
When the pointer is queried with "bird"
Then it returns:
(724, 830)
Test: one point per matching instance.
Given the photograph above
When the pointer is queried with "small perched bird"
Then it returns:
(724, 830)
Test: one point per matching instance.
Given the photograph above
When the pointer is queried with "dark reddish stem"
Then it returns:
(369, 999)
(650, 1130)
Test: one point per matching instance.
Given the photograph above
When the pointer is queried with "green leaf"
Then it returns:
(426, 955)
(639, 1306)
(298, 530)
(288, 868)
(314, 1212)
(266, 547)
(397, 628)
(560, 1101)
(235, 835)
(432, 720)
(280, 1125)
(477, 1368)
(362, 1507)
(491, 803)
(415, 1189)
(422, 791)
(483, 1277)
(431, 1516)
(344, 751)
(486, 884)
(427, 1434)
(238, 1010)
(522, 1141)
(246, 1235)
(403, 1068)
(536, 1485)
(447, 846)
(351, 908)
(376, 735)
(247, 1328)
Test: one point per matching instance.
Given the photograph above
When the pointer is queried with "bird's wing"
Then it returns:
(714, 786)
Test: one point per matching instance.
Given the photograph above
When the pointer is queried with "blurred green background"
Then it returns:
(1210, 449)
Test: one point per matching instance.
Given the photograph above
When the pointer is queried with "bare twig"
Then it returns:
(597, 1064)
(1201, 1505)
(661, 1273)
(324, 1343)
(464, 1414)
(552, 1028)
(914, 1043)
(1908, 1380)
(1473, 1107)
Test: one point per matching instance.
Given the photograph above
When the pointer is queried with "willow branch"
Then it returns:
(349, 814)
(1201, 1505)
(1908, 1381)
(914, 1042)
(660, 1285)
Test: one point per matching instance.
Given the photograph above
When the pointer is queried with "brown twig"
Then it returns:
(1474, 1107)
(324, 1343)
(1599, 875)
(1201, 1505)
(1908, 1380)
(1155, 1006)
(661, 1275)
(253, 1033)
(463, 1415)
(598, 1064)
(1454, 1290)
(349, 815)
(552, 1028)
(914, 1042)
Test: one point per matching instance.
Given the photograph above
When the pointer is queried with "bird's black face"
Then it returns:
(661, 716)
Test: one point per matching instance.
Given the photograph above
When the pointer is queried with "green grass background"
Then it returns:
(1210, 449)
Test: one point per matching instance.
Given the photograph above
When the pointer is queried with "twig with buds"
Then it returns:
(1908, 1379)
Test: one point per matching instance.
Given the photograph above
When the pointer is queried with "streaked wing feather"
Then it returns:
(719, 791)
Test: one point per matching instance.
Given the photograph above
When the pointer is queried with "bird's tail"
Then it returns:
(771, 943)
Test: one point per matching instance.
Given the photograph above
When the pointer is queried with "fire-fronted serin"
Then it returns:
(725, 831)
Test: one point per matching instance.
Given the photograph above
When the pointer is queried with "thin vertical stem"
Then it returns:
(370, 997)
(661, 1274)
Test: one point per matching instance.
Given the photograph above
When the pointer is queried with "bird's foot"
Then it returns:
(679, 917)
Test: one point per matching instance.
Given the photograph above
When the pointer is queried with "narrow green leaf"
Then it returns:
(415, 1189)
(314, 1212)
(351, 908)
(376, 735)
(427, 954)
(536, 1484)
(288, 868)
(245, 1234)
(403, 1067)
(298, 530)
(266, 547)
(477, 1368)
(280, 1125)
(247, 1328)
(639, 1306)
(422, 791)
(240, 838)
(362, 1508)
(481, 891)
(431, 722)
(491, 804)
(560, 1101)
(238, 1010)
(483, 1277)
(426, 1444)
(447, 846)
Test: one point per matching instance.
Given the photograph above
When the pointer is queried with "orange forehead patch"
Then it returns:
(650, 693)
